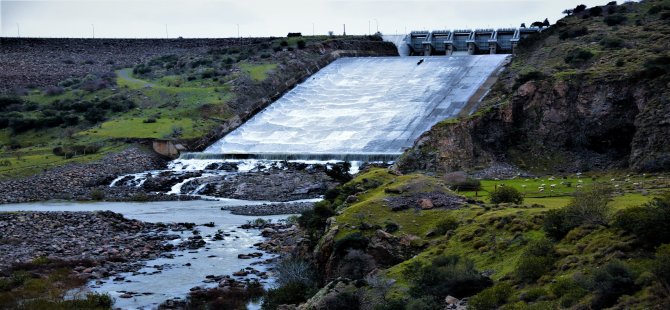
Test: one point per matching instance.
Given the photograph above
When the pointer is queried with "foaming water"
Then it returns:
(363, 105)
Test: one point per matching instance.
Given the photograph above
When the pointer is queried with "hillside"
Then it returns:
(553, 195)
(588, 93)
(77, 100)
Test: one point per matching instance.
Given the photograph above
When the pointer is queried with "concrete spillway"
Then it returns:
(362, 106)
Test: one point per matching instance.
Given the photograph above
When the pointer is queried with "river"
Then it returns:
(174, 276)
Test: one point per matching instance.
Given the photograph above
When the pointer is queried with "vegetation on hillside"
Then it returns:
(611, 250)
(177, 96)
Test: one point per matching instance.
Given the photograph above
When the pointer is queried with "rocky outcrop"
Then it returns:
(555, 125)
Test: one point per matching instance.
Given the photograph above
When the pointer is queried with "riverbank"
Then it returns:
(105, 241)
(82, 181)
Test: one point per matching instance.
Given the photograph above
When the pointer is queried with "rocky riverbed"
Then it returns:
(80, 181)
(107, 241)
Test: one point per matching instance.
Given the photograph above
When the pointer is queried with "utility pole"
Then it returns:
(377, 23)
(312, 29)
(344, 26)
(369, 27)
(238, 31)
(166, 32)
(18, 31)
(93, 29)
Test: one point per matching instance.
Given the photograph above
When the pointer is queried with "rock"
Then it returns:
(426, 204)
(451, 300)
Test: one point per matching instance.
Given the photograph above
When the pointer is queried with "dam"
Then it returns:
(360, 109)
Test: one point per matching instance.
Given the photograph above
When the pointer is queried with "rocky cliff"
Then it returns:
(582, 95)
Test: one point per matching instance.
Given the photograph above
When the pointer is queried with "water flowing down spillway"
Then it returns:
(363, 106)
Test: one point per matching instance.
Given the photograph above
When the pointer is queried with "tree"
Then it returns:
(580, 8)
(523, 25)
(546, 23)
(567, 12)
(537, 24)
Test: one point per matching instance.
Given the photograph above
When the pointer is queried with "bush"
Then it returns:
(491, 298)
(536, 260)
(446, 275)
(614, 20)
(580, 8)
(573, 32)
(612, 42)
(354, 241)
(586, 207)
(469, 185)
(661, 265)
(95, 115)
(97, 195)
(596, 11)
(445, 225)
(292, 293)
(568, 291)
(656, 67)
(149, 120)
(295, 270)
(356, 265)
(578, 56)
(315, 219)
(391, 227)
(506, 194)
(301, 44)
(424, 303)
(648, 222)
(611, 282)
(340, 171)
(524, 77)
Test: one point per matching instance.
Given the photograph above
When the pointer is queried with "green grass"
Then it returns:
(257, 72)
(136, 128)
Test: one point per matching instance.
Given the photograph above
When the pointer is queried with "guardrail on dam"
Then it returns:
(472, 42)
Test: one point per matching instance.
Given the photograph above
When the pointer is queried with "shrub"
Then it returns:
(556, 224)
(661, 265)
(613, 20)
(578, 56)
(301, 44)
(354, 241)
(648, 222)
(536, 260)
(586, 207)
(149, 120)
(524, 77)
(356, 265)
(491, 298)
(446, 224)
(611, 42)
(53, 90)
(656, 67)
(572, 32)
(580, 8)
(391, 227)
(283, 43)
(506, 194)
(424, 303)
(611, 282)
(95, 115)
(97, 195)
(141, 69)
(295, 270)
(315, 219)
(568, 291)
(446, 275)
(596, 11)
(292, 293)
(340, 172)
(469, 185)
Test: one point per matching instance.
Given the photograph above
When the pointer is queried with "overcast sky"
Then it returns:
(220, 18)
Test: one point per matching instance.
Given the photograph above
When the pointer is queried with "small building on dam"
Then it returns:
(467, 41)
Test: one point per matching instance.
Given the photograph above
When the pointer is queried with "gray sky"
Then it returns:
(219, 18)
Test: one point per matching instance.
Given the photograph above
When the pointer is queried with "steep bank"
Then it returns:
(584, 94)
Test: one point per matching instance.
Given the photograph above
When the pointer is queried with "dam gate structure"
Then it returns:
(467, 41)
